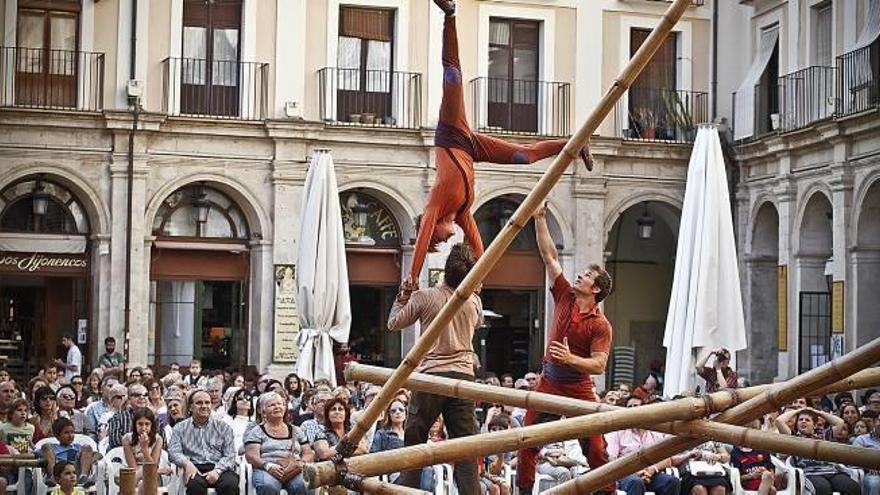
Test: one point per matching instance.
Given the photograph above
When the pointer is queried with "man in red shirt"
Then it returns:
(579, 343)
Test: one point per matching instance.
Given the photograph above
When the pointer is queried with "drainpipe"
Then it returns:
(135, 106)
(714, 59)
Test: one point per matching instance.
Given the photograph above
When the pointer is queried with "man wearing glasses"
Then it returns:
(121, 422)
(98, 409)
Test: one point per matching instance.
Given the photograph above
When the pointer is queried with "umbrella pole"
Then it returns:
(774, 398)
(520, 218)
(417, 456)
(697, 407)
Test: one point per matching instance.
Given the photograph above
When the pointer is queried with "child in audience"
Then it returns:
(18, 433)
(65, 476)
(81, 456)
(144, 443)
(493, 474)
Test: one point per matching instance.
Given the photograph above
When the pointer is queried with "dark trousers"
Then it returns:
(840, 482)
(227, 484)
(460, 421)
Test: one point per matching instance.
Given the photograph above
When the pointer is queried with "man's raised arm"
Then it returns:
(546, 245)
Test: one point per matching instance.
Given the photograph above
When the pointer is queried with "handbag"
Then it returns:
(291, 468)
(703, 469)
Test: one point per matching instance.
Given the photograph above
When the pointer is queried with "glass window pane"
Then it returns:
(348, 61)
(241, 230)
(499, 33)
(525, 64)
(30, 36)
(217, 225)
(217, 198)
(379, 66)
(823, 36)
(225, 64)
(195, 51)
(79, 217)
(182, 222)
(62, 39)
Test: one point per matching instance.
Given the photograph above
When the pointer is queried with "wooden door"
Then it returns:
(513, 84)
(46, 62)
(210, 68)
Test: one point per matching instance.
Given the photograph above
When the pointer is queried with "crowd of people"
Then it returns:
(205, 423)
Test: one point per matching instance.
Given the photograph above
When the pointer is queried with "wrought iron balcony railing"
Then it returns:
(520, 106)
(805, 96)
(226, 89)
(53, 79)
(377, 98)
(661, 114)
(858, 83)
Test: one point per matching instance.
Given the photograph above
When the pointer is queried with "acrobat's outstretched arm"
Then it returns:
(426, 232)
(494, 150)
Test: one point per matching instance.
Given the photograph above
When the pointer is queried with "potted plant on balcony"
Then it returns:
(645, 122)
(369, 118)
(354, 118)
(678, 117)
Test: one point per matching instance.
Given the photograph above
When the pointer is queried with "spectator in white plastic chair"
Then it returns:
(871, 479)
(66, 449)
(144, 444)
(277, 450)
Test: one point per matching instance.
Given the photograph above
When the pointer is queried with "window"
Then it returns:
(513, 74)
(63, 214)
(364, 61)
(199, 211)
(822, 46)
(46, 61)
(210, 65)
(649, 93)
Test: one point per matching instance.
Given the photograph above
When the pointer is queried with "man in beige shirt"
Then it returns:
(451, 356)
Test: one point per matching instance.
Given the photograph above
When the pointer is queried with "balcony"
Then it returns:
(225, 89)
(858, 83)
(805, 96)
(371, 98)
(519, 106)
(668, 115)
(51, 79)
(694, 3)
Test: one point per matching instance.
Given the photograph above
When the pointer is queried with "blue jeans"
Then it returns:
(661, 484)
(427, 481)
(871, 484)
(266, 484)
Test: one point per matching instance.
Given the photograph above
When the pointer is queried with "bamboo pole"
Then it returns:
(567, 406)
(151, 478)
(777, 396)
(418, 456)
(520, 218)
(373, 486)
(127, 481)
(561, 405)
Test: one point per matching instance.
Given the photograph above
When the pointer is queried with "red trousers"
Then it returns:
(457, 147)
(594, 448)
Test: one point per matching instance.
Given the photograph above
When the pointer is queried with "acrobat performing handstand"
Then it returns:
(457, 147)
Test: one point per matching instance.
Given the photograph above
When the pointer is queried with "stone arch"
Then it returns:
(559, 228)
(616, 211)
(761, 268)
(862, 201)
(866, 263)
(394, 200)
(258, 219)
(813, 223)
(96, 209)
(764, 232)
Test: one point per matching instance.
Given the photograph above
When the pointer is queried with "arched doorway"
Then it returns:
(762, 262)
(45, 272)
(372, 238)
(814, 253)
(641, 260)
(199, 279)
(513, 294)
(866, 269)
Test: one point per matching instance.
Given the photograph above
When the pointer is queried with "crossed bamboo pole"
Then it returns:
(773, 398)
(521, 216)
(416, 456)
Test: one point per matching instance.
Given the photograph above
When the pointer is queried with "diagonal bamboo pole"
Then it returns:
(696, 428)
(777, 396)
(536, 197)
(476, 446)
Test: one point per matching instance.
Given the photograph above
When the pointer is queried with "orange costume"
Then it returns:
(456, 149)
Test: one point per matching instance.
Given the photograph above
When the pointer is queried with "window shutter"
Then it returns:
(368, 24)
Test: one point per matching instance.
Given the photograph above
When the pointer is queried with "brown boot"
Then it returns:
(448, 6)
(587, 157)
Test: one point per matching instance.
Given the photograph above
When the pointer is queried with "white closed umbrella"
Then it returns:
(705, 307)
(322, 273)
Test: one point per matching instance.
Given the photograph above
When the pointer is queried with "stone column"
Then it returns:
(841, 182)
(786, 199)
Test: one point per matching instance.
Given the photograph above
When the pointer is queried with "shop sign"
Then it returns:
(40, 263)
(286, 331)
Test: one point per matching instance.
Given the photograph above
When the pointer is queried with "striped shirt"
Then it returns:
(211, 443)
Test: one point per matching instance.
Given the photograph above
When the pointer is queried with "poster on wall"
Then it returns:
(286, 331)
(82, 327)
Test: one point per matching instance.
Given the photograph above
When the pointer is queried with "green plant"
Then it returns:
(677, 113)
(645, 118)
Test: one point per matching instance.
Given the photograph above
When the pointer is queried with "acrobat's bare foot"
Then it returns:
(448, 6)
(587, 157)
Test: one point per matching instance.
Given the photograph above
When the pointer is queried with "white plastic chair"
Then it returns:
(115, 461)
(804, 484)
(39, 483)
(791, 486)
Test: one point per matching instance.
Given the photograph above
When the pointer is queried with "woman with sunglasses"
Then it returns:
(154, 396)
(239, 414)
(66, 400)
(389, 436)
(45, 413)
